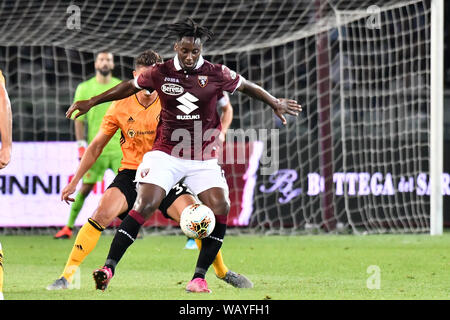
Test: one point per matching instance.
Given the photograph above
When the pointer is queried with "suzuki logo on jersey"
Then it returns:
(172, 89)
(187, 107)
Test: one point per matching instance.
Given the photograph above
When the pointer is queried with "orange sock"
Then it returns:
(219, 266)
(85, 242)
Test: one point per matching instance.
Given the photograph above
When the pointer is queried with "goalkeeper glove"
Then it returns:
(82, 145)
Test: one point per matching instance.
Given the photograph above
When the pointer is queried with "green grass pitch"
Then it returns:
(281, 267)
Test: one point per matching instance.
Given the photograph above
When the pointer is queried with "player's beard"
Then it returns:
(105, 72)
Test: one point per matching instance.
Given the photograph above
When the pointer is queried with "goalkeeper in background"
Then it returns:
(5, 150)
(112, 154)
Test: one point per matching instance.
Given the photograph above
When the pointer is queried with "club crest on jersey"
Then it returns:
(202, 81)
(172, 89)
(131, 133)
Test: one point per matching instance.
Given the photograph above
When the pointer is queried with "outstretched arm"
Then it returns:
(91, 155)
(280, 106)
(118, 92)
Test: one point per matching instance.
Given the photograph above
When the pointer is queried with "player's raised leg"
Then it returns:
(112, 203)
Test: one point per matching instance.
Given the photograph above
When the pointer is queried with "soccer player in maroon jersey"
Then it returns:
(188, 86)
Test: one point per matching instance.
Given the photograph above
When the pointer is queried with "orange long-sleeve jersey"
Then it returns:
(138, 127)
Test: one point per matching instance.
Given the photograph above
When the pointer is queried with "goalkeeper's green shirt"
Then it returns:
(93, 118)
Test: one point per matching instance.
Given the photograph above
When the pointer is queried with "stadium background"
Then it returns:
(43, 62)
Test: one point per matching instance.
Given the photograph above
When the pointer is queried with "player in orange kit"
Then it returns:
(137, 117)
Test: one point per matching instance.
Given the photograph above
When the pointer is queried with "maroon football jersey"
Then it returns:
(189, 121)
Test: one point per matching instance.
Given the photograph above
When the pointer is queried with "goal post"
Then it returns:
(437, 117)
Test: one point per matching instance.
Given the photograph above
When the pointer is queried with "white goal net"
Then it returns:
(356, 159)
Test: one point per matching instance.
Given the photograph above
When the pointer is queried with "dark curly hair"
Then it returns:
(147, 58)
(189, 28)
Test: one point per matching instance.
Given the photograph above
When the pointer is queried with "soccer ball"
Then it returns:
(197, 221)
